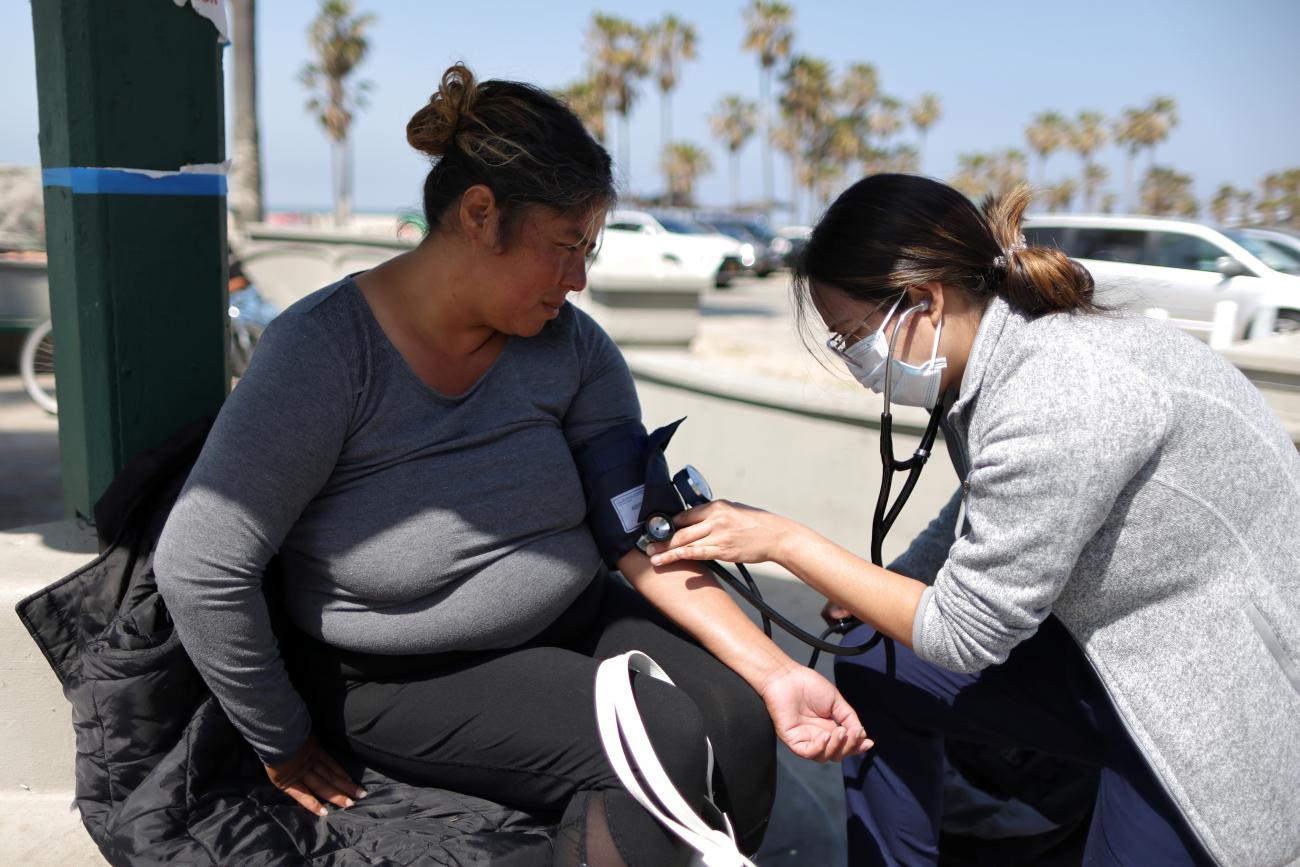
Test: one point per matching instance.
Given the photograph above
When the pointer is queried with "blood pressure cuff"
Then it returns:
(625, 479)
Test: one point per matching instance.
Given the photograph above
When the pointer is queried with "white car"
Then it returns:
(679, 239)
(1277, 249)
(1182, 267)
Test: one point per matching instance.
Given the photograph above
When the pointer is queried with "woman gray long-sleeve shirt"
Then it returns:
(406, 521)
(1129, 480)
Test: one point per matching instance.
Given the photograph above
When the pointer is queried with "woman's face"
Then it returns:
(955, 310)
(852, 320)
(528, 281)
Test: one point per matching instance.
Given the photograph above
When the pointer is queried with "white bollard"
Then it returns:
(1264, 322)
(1224, 326)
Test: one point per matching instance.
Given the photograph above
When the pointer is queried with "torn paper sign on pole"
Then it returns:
(214, 11)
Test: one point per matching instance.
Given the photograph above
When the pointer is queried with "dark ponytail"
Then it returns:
(890, 232)
(1033, 279)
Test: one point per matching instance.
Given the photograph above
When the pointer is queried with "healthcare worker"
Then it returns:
(1117, 581)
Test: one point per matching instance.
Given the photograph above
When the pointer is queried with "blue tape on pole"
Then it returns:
(85, 181)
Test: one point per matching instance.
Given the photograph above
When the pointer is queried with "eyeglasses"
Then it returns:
(841, 342)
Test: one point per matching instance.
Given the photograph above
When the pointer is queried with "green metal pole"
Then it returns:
(137, 279)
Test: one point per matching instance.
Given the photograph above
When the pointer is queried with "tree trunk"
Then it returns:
(765, 125)
(246, 159)
(339, 171)
(795, 189)
(735, 179)
(1130, 181)
(666, 119)
(625, 148)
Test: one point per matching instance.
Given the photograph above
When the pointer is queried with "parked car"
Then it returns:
(1183, 267)
(761, 249)
(796, 238)
(1278, 249)
(686, 240)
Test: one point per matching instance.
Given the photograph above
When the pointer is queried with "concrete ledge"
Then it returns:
(832, 402)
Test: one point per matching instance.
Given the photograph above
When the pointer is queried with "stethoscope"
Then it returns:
(694, 491)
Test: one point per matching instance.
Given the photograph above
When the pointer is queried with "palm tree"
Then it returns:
(837, 146)
(885, 120)
(1166, 192)
(1163, 114)
(905, 159)
(672, 41)
(1245, 207)
(1059, 196)
(338, 41)
(588, 97)
(1094, 175)
(1145, 128)
(1087, 136)
(1048, 133)
(997, 173)
(925, 112)
(769, 34)
(972, 176)
(1221, 205)
(733, 122)
(806, 107)
(859, 88)
(683, 163)
(619, 57)
(246, 165)
(1007, 171)
(1129, 134)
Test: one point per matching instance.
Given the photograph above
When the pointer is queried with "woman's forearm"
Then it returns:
(885, 600)
(696, 602)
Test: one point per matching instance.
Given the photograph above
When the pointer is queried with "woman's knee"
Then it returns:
(675, 726)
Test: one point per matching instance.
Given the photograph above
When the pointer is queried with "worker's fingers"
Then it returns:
(684, 536)
(687, 552)
(329, 768)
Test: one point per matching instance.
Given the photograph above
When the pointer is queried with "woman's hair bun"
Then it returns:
(432, 130)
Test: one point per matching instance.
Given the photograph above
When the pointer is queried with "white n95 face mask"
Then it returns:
(909, 384)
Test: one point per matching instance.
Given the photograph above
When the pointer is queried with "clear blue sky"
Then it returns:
(1233, 67)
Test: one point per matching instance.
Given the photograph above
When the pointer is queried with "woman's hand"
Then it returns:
(311, 776)
(724, 531)
(812, 718)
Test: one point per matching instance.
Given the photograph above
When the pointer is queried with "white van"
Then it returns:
(1182, 267)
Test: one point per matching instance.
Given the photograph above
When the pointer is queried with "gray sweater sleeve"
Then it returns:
(274, 444)
(1049, 457)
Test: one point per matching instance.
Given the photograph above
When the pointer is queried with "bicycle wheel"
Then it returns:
(36, 366)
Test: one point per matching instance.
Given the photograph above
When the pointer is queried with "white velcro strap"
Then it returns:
(623, 735)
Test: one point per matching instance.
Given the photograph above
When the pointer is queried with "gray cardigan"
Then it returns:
(1121, 475)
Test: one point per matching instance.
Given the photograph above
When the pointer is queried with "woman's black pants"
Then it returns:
(518, 726)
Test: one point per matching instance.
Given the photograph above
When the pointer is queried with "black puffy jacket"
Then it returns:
(162, 776)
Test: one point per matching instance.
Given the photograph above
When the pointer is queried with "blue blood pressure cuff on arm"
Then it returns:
(625, 479)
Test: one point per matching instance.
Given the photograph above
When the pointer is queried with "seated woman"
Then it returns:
(1115, 583)
(402, 442)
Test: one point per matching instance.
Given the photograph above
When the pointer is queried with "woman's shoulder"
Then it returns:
(324, 331)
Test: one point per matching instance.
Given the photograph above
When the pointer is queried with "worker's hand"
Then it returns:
(811, 717)
(725, 531)
(311, 776)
